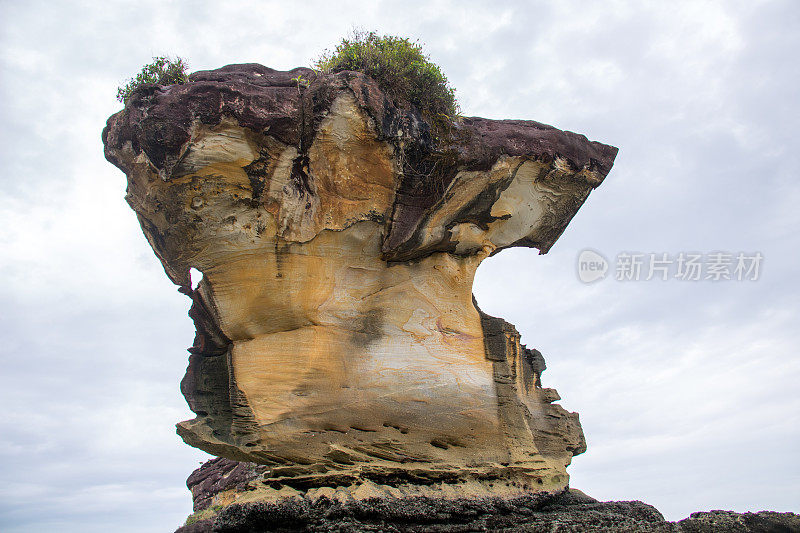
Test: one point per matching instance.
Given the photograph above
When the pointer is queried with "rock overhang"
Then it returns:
(160, 122)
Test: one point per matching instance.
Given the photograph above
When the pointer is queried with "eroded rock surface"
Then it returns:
(568, 511)
(337, 339)
(368, 509)
(228, 498)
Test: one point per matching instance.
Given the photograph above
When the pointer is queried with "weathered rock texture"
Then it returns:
(221, 482)
(337, 340)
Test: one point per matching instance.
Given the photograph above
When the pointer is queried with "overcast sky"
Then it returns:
(687, 390)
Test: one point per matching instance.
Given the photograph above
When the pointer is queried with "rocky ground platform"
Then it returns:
(571, 511)
(239, 497)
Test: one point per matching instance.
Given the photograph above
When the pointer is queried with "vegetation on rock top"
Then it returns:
(398, 65)
(402, 70)
(162, 71)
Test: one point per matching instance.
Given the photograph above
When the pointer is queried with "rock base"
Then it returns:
(238, 497)
(570, 511)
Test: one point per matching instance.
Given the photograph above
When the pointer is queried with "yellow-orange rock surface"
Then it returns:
(337, 337)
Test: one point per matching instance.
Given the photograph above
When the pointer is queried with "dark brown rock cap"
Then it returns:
(158, 118)
(289, 106)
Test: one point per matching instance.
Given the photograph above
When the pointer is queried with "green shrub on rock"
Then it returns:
(162, 71)
(401, 69)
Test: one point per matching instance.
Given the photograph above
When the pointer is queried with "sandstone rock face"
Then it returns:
(337, 338)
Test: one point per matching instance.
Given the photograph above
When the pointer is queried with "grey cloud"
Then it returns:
(687, 391)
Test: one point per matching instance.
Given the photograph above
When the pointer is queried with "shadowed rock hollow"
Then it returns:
(338, 345)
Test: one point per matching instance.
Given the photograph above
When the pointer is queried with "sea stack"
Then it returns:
(340, 353)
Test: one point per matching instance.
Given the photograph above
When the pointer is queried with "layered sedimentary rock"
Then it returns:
(224, 481)
(337, 338)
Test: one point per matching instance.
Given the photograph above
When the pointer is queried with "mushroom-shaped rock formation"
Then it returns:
(337, 338)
